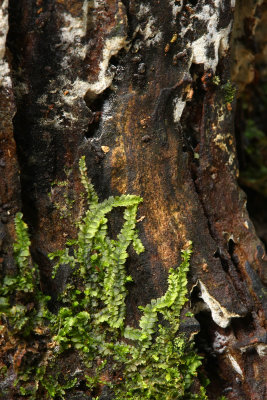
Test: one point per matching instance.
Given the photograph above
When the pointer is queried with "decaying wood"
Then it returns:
(131, 86)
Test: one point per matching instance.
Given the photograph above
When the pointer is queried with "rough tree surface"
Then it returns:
(142, 89)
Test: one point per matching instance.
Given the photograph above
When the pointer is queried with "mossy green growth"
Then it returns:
(216, 80)
(97, 292)
(22, 304)
(229, 92)
(153, 361)
(61, 190)
(162, 364)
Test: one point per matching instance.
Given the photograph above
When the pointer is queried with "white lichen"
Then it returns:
(220, 141)
(246, 225)
(111, 48)
(150, 31)
(79, 88)
(76, 90)
(178, 108)
(220, 342)
(107, 110)
(151, 34)
(5, 80)
(214, 38)
(3, 27)
(74, 28)
(42, 100)
(56, 122)
(143, 11)
(176, 7)
(69, 116)
(219, 313)
(262, 349)
(235, 365)
(72, 32)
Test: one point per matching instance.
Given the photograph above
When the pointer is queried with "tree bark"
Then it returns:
(142, 90)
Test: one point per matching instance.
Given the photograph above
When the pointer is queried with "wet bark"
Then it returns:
(134, 87)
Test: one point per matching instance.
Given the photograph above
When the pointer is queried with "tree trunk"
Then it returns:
(143, 90)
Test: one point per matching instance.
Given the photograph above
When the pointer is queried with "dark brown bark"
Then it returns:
(130, 85)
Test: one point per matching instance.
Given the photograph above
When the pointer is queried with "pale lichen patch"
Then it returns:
(72, 32)
(5, 79)
(178, 108)
(143, 11)
(235, 365)
(220, 343)
(80, 88)
(176, 7)
(42, 99)
(111, 48)
(262, 349)
(74, 28)
(150, 31)
(246, 225)
(3, 27)
(219, 313)
(221, 141)
(219, 41)
(215, 38)
(55, 122)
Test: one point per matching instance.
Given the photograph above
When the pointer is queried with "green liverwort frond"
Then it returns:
(154, 361)
(99, 261)
(22, 255)
(92, 197)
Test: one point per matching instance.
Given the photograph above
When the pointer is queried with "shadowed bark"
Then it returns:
(143, 90)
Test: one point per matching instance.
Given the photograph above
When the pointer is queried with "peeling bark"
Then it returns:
(131, 85)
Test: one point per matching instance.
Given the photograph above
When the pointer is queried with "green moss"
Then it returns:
(216, 80)
(162, 364)
(229, 92)
(22, 304)
(61, 197)
(56, 389)
(153, 361)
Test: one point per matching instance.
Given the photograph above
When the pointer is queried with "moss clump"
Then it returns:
(22, 304)
(152, 362)
(229, 92)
